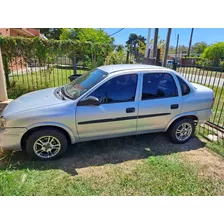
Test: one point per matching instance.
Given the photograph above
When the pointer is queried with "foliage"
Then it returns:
(199, 47)
(115, 57)
(133, 43)
(161, 46)
(217, 147)
(92, 52)
(221, 64)
(43, 50)
(119, 48)
(51, 33)
(141, 47)
(214, 53)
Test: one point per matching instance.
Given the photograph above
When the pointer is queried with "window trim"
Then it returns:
(158, 72)
(112, 77)
(178, 78)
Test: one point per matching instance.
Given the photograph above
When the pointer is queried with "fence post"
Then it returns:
(75, 66)
(3, 91)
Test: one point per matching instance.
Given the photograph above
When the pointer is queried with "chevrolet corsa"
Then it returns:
(109, 101)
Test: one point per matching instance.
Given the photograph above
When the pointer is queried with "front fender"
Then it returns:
(54, 124)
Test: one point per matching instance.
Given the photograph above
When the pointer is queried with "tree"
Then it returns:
(183, 48)
(115, 57)
(214, 53)
(171, 49)
(133, 42)
(100, 44)
(119, 48)
(51, 33)
(199, 47)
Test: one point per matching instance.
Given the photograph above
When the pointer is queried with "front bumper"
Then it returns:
(10, 138)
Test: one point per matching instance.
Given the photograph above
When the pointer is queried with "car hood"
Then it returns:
(33, 100)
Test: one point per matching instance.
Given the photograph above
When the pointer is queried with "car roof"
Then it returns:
(125, 67)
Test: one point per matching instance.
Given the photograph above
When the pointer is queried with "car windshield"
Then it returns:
(83, 83)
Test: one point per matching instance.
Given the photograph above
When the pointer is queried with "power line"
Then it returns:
(116, 32)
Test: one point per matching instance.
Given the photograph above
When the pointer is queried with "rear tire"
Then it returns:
(46, 144)
(182, 130)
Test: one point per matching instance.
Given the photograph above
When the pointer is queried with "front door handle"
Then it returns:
(130, 110)
(174, 106)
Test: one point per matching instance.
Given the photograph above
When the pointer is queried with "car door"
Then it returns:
(159, 102)
(117, 112)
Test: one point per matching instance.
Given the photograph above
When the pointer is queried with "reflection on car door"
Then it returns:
(159, 102)
(117, 113)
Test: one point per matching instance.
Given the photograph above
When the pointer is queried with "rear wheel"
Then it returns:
(182, 130)
(46, 144)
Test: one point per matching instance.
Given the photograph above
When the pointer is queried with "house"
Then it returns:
(19, 63)
(22, 32)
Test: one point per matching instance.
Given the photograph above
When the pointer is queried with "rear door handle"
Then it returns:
(130, 110)
(174, 106)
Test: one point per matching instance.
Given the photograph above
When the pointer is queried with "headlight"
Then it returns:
(2, 122)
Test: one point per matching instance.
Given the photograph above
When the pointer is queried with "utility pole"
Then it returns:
(189, 48)
(147, 43)
(155, 42)
(167, 46)
(177, 46)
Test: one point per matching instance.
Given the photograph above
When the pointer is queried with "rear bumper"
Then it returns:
(204, 115)
(10, 138)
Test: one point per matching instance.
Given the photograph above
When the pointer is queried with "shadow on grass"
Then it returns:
(102, 152)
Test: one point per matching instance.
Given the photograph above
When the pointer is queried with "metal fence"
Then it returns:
(23, 77)
(214, 79)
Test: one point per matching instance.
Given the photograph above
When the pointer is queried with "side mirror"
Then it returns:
(91, 100)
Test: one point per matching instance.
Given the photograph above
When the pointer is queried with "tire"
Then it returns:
(46, 144)
(175, 130)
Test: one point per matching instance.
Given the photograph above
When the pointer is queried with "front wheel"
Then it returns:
(182, 130)
(46, 144)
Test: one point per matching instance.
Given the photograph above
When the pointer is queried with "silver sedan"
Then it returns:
(109, 101)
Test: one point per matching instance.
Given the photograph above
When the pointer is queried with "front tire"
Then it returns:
(46, 144)
(182, 130)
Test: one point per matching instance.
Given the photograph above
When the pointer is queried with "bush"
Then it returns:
(221, 64)
(214, 53)
(117, 57)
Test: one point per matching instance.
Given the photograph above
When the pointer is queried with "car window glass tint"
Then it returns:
(117, 89)
(158, 85)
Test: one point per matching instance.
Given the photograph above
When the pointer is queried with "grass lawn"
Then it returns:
(217, 147)
(147, 165)
(31, 81)
(218, 107)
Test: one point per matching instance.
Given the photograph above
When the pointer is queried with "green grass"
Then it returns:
(217, 147)
(155, 175)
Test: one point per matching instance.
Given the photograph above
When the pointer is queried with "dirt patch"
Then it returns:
(212, 165)
(124, 154)
(103, 171)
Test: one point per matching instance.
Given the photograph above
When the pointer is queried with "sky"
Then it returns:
(208, 35)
